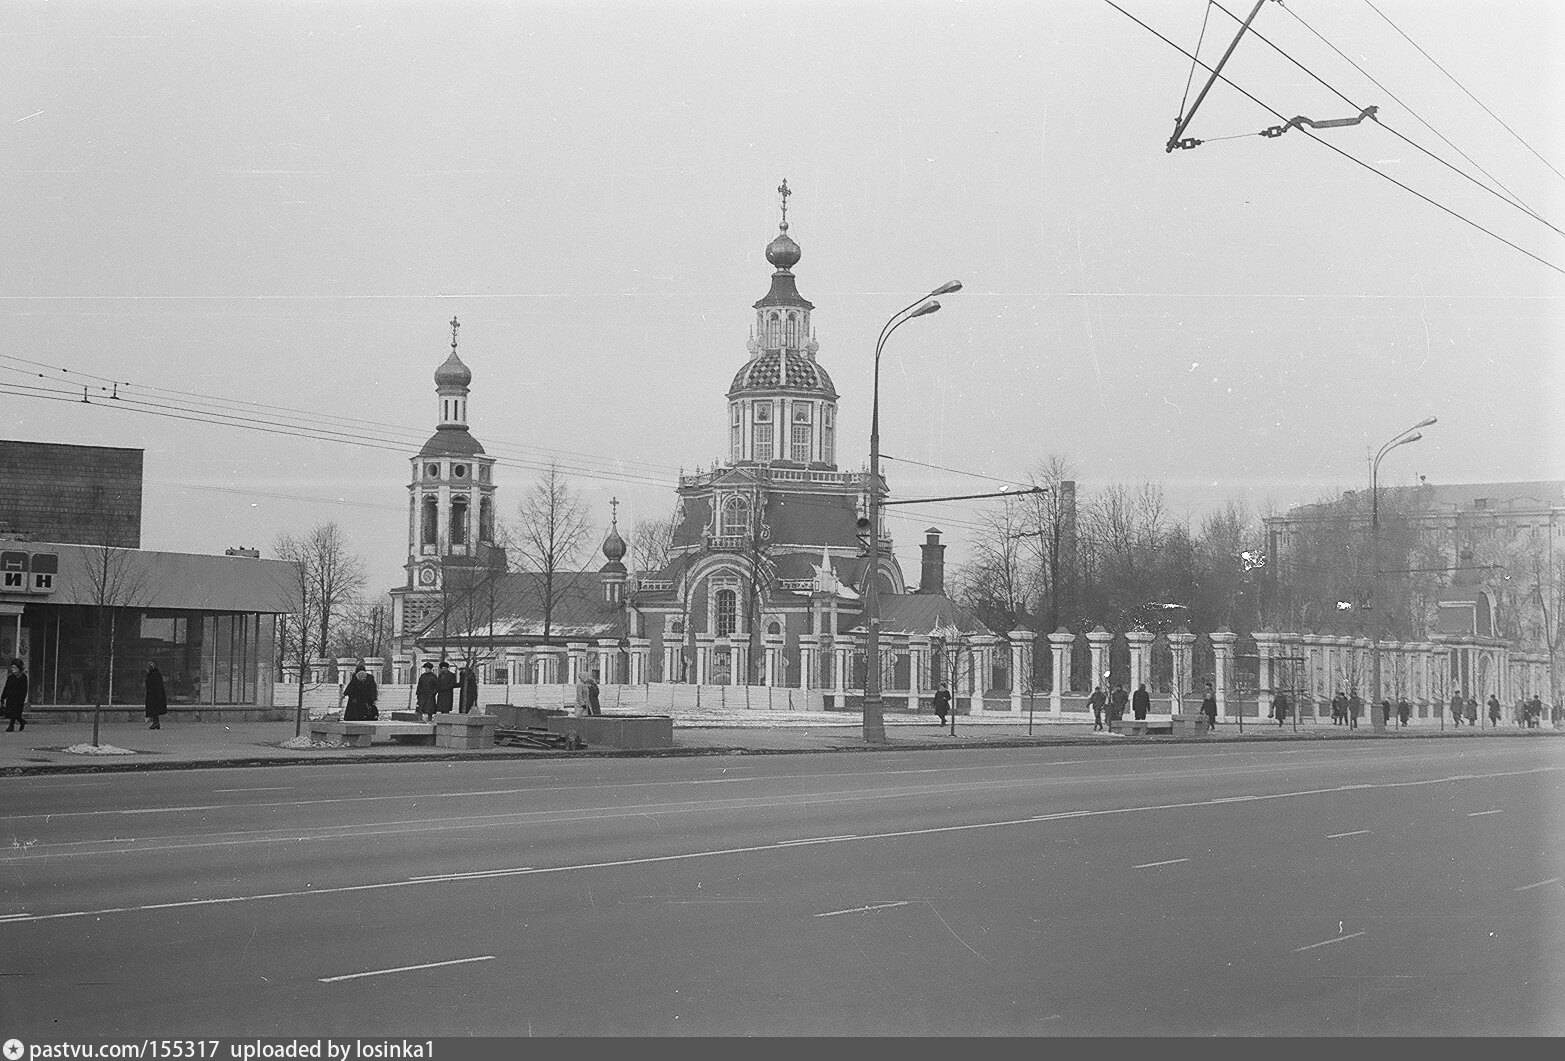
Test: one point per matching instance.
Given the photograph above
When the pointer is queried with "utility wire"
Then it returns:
(1190, 80)
(1507, 197)
(1418, 117)
(956, 471)
(1356, 161)
(1463, 87)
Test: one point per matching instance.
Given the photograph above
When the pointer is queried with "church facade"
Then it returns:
(766, 574)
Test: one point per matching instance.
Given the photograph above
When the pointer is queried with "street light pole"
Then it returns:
(1378, 611)
(874, 719)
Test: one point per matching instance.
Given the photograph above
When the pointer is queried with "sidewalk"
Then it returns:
(41, 748)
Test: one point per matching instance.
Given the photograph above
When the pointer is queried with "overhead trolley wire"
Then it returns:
(1190, 80)
(1403, 104)
(1356, 161)
(1463, 87)
(1508, 197)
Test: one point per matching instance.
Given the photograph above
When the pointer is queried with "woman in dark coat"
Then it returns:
(1141, 702)
(361, 694)
(14, 696)
(157, 698)
(1209, 706)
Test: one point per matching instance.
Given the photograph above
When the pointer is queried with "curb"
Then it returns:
(709, 750)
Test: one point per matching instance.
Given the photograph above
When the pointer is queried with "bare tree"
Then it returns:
(550, 533)
(113, 579)
(336, 577)
(294, 630)
(652, 542)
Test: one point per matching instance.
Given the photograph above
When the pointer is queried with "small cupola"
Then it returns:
(613, 573)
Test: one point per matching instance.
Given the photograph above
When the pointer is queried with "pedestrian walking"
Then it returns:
(1355, 710)
(360, 694)
(1117, 701)
(592, 695)
(1535, 715)
(1471, 711)
(445, 688)
(157, 696)
(1494, 711)
(13, 697)
(942, 703)
(1097, 701)
(1141, 703)
(1209, 707)
(1279, 709)
(1456, 709)
(1385, 711)
(426, 691)
(1339, 709)
(1404, 711)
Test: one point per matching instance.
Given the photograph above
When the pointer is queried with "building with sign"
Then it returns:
(86, 609)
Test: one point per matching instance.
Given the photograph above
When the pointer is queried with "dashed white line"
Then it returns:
(1170, 862)
(1338, 836)
(474, 875)
(405, 969)
(817, 840)
(1323, 942)
(1481, 813)
(220, 791)
(861, 909)
(1541, 883)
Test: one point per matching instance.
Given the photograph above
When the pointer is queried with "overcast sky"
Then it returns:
(285, 203)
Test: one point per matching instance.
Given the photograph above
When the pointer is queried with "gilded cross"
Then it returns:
(454, 327)
(782, 190)
(614, 510)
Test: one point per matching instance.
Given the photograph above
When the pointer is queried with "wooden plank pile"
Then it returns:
(537, 738)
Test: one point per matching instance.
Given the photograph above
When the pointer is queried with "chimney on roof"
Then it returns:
(932, 579)
(242, 550)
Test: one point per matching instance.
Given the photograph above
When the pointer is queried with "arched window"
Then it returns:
(485, 520)
(761, 444)
(736, 438)
(828, 436)
(793, 330)
(725, 612)
(459, 522)
(429, 524)
(802, 430)
(774, 329)
(736, 517)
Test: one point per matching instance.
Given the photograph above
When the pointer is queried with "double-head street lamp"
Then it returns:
(1378, 611)
(874, 720)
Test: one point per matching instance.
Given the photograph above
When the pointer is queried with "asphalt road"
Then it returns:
(1362, 888)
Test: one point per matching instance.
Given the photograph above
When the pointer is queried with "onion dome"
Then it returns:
(452, 372)
(614, 548)
(789, 370)
(783, 252)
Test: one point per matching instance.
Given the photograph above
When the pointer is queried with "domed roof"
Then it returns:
(451, 440)
(452, 373)
(782, 370)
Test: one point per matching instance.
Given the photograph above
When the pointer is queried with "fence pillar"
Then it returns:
(1223, 663)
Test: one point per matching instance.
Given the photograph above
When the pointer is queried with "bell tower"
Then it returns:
(451, 513)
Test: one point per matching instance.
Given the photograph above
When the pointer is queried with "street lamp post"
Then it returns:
(1378, 612)
(874, 720)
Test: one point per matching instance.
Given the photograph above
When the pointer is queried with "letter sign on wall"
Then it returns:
(13, 572)
(45, 567)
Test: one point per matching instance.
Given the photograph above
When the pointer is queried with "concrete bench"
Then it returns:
(456, 730)
(1189, 725)
(616, 731)
(1130, 727)
(363, 734)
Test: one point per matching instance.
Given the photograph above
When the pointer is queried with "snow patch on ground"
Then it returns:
(308, 742)
(97, 749)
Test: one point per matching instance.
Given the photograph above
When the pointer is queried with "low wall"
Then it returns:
(616, 731)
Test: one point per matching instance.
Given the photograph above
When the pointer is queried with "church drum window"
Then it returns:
(801, 433)
(725, 612)
(736, 441)
(828, 436)
(761, 450)
(774, 330)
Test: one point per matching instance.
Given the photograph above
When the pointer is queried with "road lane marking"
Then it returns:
(1323, 942)
(1338, 836)
(1541, 883)
(220, 791)
(1481, 813)
(861, 909)
(818, 840)
(1164, 759)
(15, 917)
(709, 853)
(1170, 862)
(405, 969)
(475, 874)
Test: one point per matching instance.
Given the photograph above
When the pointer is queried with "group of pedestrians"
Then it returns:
(1110, 706)
(442, 691)
(1347, 710)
